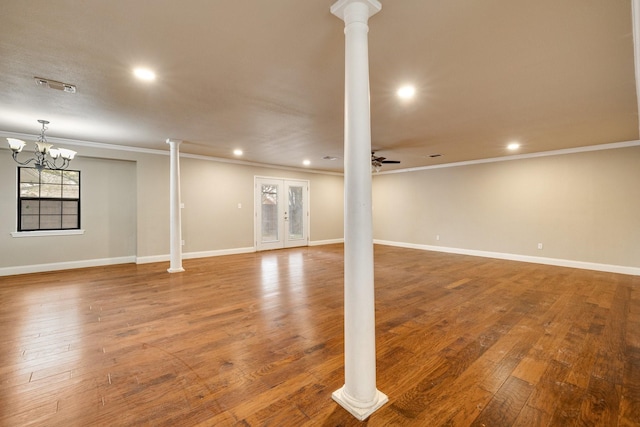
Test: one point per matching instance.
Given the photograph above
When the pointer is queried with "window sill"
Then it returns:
(46, 233)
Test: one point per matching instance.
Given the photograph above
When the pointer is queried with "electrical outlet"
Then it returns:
(437, 237)
(182, 242)
(539, 245)
(239, 205)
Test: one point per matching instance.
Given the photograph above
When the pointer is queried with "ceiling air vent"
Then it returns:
(54, 84)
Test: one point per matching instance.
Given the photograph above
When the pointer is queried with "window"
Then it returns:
(48, 200)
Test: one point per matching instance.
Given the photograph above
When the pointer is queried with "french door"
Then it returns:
(282, 213)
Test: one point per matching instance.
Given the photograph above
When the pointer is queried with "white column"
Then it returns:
(359, 395)
(174, 209)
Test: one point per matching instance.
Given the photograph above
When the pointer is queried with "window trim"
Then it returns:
(42, 233)
(46, 232)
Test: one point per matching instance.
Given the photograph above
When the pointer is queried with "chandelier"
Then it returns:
(46, 157)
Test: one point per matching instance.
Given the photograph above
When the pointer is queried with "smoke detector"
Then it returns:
(54, 84)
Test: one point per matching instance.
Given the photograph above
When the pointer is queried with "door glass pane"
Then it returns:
(296, 213)
(269, 213)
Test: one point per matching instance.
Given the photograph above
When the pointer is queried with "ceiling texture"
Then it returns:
(268, 76)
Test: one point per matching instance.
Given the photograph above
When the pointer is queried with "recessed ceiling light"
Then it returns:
(144, 74)
(513, 146)
(406, 92)
(306, 162)
(237, 152)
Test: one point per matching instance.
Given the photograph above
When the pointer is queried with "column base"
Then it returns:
(175, 270)
(357, 411)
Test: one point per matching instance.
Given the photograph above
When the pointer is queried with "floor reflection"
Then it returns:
(284, 291)
(269, 275)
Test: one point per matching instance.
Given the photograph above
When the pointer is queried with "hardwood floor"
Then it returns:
(256, 340)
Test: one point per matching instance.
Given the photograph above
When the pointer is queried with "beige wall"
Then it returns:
(108, 210)
(211, 192)
(125, 208)
(582, 206)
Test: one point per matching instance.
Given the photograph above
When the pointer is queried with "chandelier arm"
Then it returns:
(15, 157)
(54, 164)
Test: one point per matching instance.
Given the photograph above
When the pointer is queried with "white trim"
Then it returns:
(83, 143)
(354, 408)
(39, 268)
(153, 258)
(625, 144)
(100, 145)
(325, 242)
(192, 255)
(219, 252)
(621, 269)
(599, 147)
(258, 165)
(635, 23)
(42, 233)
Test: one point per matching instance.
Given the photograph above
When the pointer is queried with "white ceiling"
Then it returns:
(268, 76)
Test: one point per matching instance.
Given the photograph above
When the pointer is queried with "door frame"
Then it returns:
(283, 242)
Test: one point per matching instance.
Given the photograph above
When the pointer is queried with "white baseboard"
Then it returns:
(192, 255)
(219, 252)
(39, 268)
(325, 242)
(634, 271)
(152, 258)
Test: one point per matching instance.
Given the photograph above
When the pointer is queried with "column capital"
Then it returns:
(362, 10)
(173, 141)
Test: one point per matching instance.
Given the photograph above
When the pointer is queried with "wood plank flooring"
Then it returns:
(257, 340)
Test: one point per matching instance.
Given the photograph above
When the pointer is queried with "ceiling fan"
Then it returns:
(377, 162)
